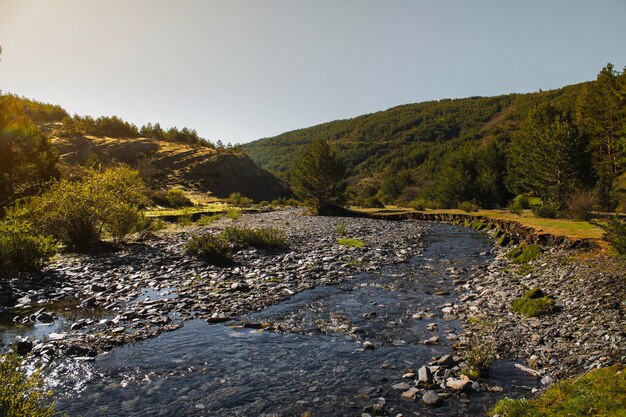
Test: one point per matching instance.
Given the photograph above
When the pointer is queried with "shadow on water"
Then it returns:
(314, 363)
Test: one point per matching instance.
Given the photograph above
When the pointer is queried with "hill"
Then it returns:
(165, 158)
(405, 146)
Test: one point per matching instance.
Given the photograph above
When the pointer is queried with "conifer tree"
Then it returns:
(317, 175)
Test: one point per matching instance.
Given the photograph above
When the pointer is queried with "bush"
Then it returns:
(210, 248)
(22, 395)
(373, 202)
(519, 204)
(238, 200)
(267, 238)
(177, 199)
(533, 303)
(79, 213)
(342, 228)
(545, 210)
(22, 249)
(468, 206)
(580, 204)
(124, 221)
(615, 233)
(207, 219)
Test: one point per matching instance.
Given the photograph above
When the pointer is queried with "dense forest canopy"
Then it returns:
(449, 151)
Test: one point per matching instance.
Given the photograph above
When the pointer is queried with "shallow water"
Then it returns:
(314, 364)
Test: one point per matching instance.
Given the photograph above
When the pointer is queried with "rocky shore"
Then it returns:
(151, 286)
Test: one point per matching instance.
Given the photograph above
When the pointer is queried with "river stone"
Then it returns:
(411, 394)
(368, 345)
(424, 375)
(430, 397)
(45, 317)
(445, 361)
(22, 345)
(401, 386)
(458, 384)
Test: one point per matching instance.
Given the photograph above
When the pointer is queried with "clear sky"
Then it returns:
(239, 70)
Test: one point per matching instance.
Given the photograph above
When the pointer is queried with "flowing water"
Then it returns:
(314, 364)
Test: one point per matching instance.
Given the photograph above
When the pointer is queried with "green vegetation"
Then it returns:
(479, 355)
(207, 219)
(488, 149)
(533, 303)
(21, 248)
(316, 175)
(524, 253)
(22, 395)
(173, 198)
(351, 242)
(615, 234)
(210, 248)
(80, 213)
(233, 214)
(342, 228)
(217, 249)
(601, 392)
(27, 159)
(262, 238)
(238, 200)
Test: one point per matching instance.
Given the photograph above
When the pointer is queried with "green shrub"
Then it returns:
(210, 248)
(519, 204)
(353, 243)
(373, 202)
(615, 233)
(239, 200)
(533, 303)
(185, 219)
(22, 395)
(22, 249)
(468, 206)
(600, 392)
(124, 221)
(233, 214)
(264, 238)
(524, 253)
(178, 199)
(342, 228)
(545, 211)
(79, 213)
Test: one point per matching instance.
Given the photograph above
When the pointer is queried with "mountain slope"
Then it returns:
(409, 140)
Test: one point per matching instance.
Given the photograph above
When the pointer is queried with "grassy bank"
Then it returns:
(601, 392)
(572, 229)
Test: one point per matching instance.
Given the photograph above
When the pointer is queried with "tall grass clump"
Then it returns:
(262, 238)
(239, 200)
(479, 356)
(23, 249)
(233, 214)
(22, 395)
(210, 248)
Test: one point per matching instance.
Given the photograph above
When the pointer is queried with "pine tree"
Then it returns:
(317, 175)
(549, 156)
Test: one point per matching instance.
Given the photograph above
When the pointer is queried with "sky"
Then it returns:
(239, 70)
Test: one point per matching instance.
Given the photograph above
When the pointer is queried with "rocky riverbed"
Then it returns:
(82, 306)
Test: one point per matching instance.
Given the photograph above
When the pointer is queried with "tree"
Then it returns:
(316, 176)
(602, 113)
(549, 157)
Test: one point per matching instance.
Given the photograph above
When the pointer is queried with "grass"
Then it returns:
(601, 392)
(352, 243)
(210, 248)
(573, 229)
(262, 238)
(533, 303)
(215, 207)
(524, 253)
(479, 356)
(233, 214)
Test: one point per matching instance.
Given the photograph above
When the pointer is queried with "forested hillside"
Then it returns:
(449, 151)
